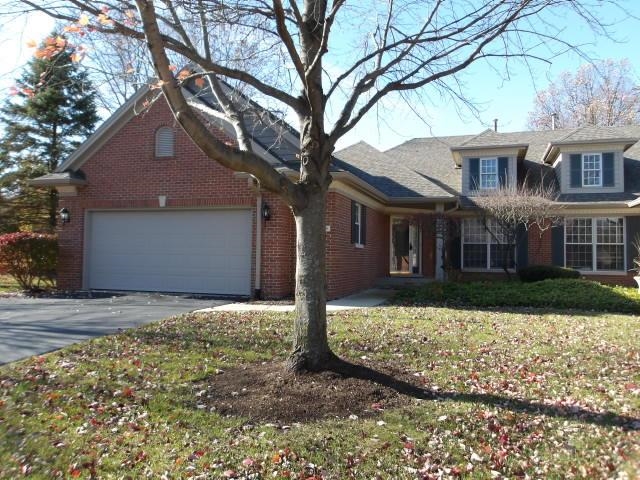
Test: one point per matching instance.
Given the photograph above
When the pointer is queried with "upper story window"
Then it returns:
(592, 170)
(488, 173)
(165, 142)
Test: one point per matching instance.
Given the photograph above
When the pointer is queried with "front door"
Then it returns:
(405, 247)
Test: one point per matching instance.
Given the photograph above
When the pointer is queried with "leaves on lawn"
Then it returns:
(506, 395)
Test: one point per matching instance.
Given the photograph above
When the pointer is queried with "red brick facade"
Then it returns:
(125, 174)
(349, 267)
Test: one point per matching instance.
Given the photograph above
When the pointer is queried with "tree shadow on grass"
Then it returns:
(573, 413)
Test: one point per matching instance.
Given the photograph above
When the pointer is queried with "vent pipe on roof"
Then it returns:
(554, 118)
(495, 124)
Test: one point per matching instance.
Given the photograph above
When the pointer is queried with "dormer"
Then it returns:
(590, 160)
(488, 162)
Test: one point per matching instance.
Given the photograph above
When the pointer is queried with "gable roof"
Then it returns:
(421, 169)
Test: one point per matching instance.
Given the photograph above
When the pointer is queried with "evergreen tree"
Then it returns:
(51, 112)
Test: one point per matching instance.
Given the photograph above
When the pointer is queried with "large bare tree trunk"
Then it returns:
(311, 350)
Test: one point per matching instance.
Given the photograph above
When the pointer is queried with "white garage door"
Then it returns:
(191, 251)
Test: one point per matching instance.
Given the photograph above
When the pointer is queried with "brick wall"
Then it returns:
(350, 268)
(125, 174)
(539, 246)
(279, 250)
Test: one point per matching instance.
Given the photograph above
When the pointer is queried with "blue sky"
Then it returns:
(507, 100)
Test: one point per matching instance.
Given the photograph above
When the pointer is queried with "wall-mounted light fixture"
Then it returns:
(65, 216)
(266, 212)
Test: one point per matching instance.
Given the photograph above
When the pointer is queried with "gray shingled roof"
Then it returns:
(431, 157)
(590, 133)
(386, 173)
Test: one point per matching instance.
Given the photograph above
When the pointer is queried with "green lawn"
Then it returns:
(505, 395)
(8, 284)
(551, 294)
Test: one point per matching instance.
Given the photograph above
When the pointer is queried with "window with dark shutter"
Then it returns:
(503, 171)
(608, 177)
(165, 142)
(474, 173)
(576, 170)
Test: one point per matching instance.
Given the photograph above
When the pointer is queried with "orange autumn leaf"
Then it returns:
(199, 82)
(83, 20)
(104, 19)
(183, 74)
(32, 44)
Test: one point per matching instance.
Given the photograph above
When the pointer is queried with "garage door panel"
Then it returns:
(175, 251)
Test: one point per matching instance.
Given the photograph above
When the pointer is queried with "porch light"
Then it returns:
(266, 212)
(65, 216)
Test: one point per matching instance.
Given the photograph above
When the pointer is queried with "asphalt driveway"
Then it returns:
(32, 326)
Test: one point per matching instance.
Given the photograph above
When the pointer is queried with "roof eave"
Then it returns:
(55, 182)
(105, 131)
(458, 150)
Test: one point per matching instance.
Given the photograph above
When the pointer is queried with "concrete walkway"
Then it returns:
(364, 299)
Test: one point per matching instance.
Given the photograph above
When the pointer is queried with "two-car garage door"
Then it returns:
(195, 251)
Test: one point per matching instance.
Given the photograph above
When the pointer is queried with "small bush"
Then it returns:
(537, 273)
(30, 258)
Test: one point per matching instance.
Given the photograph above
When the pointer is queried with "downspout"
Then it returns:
(257, 293)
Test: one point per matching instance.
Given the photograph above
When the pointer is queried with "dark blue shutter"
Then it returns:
(608, 178)
(454, 252)
(474, 173)
(576, 170)
(503, 171)
(363, 224)
(557, 245)
(354, 229)
(633, 232)
(522, 255)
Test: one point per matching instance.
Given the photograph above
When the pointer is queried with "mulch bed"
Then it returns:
(267, 392)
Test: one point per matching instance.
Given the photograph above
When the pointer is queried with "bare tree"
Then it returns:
(370, 48)
(603, 93)
(509, 212)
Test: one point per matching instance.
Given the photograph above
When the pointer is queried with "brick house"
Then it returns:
(150, 212)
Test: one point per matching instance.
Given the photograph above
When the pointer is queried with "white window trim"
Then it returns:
(358, 222)
(586, 154)
(594, 246)
(488, 243)
(481, 184)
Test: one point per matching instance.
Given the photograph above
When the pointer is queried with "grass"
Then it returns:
(531, 394)
(552, 294)
(8, 284)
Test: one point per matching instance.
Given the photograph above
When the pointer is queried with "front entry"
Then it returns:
(406, 244)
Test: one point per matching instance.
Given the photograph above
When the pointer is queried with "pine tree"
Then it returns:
(51, 112)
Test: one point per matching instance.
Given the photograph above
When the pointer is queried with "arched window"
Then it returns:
(165, 142)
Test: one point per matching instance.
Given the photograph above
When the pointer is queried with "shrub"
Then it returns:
(537, 273)
(30, 258)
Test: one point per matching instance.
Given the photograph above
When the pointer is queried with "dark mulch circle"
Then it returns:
(267, 392)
